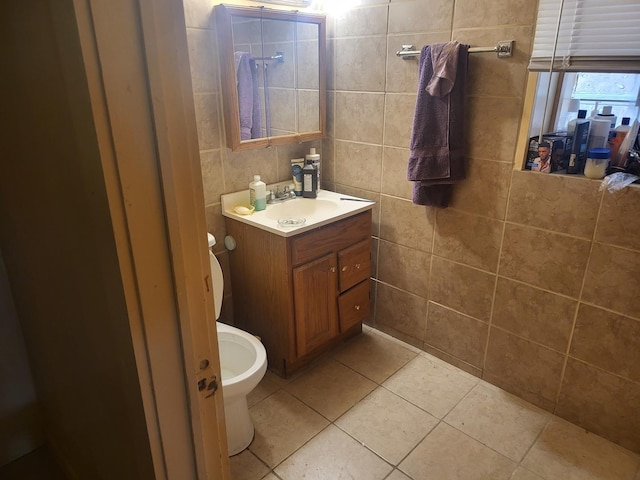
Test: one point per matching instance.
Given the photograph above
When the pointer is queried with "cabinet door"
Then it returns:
(315, 290)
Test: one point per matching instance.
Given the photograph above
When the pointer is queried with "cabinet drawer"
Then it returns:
(354, 264)
(331, 238)
(354, 306)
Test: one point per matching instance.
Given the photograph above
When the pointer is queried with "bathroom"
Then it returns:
(483, 262)
(475, 284)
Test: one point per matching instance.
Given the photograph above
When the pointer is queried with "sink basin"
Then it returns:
(300, 208)
(298, 215)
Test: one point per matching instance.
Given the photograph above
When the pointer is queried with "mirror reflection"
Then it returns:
(274, 88)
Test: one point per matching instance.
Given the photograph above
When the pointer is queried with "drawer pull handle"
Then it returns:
(357, 266)
(357, 307)
(344, 269)
(332, 269)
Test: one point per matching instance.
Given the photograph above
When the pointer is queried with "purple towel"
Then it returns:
(437, 141)
(248, 97)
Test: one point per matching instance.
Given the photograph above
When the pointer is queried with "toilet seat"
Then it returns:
(216, 277)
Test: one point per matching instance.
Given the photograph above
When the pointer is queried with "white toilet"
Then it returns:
(243, 360)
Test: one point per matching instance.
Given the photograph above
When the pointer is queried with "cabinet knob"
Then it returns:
(357, 266)
(357, 307)
(345, 268)
(332, 269)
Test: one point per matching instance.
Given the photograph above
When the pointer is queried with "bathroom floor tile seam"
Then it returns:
(441, 421)
(393, 466)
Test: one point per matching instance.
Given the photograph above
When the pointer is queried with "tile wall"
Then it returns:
(530, 281)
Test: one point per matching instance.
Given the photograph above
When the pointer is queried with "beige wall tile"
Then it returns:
(212, 181)
(544, 259)
(458, 335)
(360, 21)
(358, 165)
(406, 224)
(461, 288)
(612, 279)
(485, 190)
(619, 221)
(410, 16)
(359, 117)
(202, 54)
(207, 121)
(328, 163)
(470, 13)
(608, 341)
(534, 314)
(468, 239)
(357, 63)
(198, 13)
(401, 311)
(490, 75)
(398, 119)
(394, 173)
(612, 408)
(216, 225)
(492, 127)
(404, 268)
(402, 74)
(523, 368)
(565, 204)
(240, 167)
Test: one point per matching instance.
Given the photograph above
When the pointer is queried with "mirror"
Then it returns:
(273, 75)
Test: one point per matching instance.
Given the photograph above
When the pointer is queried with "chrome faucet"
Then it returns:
(278, 196)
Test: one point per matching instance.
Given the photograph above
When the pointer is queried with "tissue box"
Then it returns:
(560, 150)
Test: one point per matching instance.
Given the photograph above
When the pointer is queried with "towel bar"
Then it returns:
(504, 49)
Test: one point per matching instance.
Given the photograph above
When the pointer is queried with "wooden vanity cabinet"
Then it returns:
(301, 294)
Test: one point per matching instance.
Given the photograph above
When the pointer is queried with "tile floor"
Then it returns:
(380, 409)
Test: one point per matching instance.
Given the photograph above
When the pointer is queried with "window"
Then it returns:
(587, 55)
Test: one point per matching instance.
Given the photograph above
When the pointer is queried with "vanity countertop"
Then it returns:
(298, 215)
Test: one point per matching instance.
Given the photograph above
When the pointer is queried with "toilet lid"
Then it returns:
(218, 283)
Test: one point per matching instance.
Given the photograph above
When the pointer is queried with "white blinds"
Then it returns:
(594, 36)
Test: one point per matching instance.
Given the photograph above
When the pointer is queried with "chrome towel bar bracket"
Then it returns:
(503, 49)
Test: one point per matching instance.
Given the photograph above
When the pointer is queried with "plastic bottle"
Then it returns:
(618, 135)
(297, 164)
(599, 132)
(607, 115)
(315, 161)
(309, 180)
(597, 163)
(258, 193)
(571, 126)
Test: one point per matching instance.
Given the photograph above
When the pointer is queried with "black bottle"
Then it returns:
(309, 181)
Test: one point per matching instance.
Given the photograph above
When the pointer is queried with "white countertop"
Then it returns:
(326, 208)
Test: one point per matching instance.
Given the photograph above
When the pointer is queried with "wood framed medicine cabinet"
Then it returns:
(289, 51)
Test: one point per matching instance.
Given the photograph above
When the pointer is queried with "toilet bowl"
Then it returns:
(243, 361)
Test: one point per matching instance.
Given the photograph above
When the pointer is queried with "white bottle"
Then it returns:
(258, 193)
(314, 158)
(599, 133)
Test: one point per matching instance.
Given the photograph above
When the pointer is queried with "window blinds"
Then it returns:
(593, 36)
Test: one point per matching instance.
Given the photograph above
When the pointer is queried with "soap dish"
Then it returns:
(244, 209)
(289, 222)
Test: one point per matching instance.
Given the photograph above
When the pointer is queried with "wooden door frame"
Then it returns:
(136, 59)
